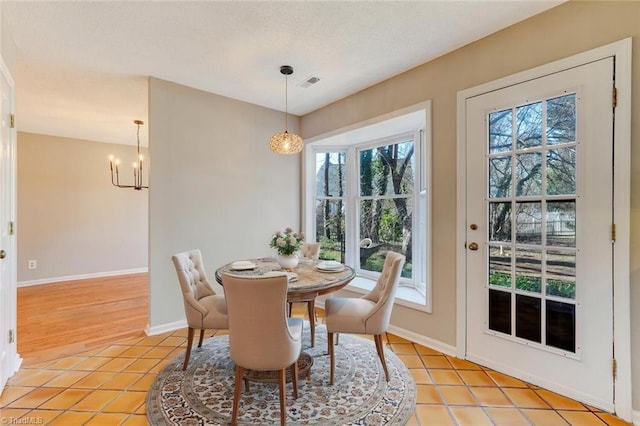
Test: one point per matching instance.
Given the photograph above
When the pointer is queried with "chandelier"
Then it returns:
(286, 143)
(137, 167)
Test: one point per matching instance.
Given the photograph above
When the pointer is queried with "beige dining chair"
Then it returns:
(368, 314)
(204, 309)
(261, 336)
(310, 251)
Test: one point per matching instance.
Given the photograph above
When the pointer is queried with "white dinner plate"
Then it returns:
(242, 265)
(330, 264)
(331, 270)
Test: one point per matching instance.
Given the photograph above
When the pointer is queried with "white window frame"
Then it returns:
(387, 129)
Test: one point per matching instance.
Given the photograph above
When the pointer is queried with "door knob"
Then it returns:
(473, 246)
(3, 254)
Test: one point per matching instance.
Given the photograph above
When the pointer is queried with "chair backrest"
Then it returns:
(259, 336)
(310, 251)
(193, 283)
(384, 293)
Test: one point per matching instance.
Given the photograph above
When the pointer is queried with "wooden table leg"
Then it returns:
(311, 307)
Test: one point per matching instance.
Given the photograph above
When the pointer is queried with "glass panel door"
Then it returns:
(539, 214)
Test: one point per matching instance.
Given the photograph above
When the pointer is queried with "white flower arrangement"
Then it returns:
(286, 243)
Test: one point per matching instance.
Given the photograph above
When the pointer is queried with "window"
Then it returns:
(330, 184)
(367, 194)
(385, 203)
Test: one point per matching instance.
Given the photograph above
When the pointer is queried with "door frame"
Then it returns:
(621, 50)
(14, 358)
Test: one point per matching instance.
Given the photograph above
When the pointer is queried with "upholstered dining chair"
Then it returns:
(261, 336)
(203, 308)
(310, 251)
(368, 314)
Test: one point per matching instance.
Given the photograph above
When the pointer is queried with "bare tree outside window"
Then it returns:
(330, 194)
(531, 191)
(387, 180)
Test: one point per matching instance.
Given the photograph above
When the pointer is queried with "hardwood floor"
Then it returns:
(59, 319)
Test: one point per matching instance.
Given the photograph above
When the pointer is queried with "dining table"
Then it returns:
(307, 280)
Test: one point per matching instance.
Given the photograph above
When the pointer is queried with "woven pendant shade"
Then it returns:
(286, 143)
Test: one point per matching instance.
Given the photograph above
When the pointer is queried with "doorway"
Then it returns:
(540, 259)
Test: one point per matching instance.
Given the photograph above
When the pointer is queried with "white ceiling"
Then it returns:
(82, 67)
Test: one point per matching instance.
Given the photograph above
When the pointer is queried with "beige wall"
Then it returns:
(563, 31)
(71, 220)
(215, 185)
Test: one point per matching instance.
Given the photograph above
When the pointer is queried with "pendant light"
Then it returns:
(137, 167)
(286, 143)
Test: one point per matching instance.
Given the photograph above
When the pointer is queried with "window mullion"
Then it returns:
(351, 206)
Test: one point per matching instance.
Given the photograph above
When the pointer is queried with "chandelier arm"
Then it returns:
(132, 186)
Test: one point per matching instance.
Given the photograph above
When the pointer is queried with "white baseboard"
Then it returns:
(423, 340)
(636, 418)
(82, 277)
(17, 363)
(163, 328)
(414, 337)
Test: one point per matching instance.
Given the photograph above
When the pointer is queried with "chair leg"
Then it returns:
(290, 304)
(201, 338)
(188, 354)
(236, 395)
(380, 350)
(337, 338)
(294, 379)
(311, 309)
(283, 398)
(331, 357)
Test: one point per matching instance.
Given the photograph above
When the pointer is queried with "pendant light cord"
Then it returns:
(286, 97)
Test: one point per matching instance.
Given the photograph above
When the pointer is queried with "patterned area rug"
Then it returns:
(203, 395)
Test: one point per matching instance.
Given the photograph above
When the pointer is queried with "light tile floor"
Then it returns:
(108, 386)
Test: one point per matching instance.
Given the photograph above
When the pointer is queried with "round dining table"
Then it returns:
(306, 281)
